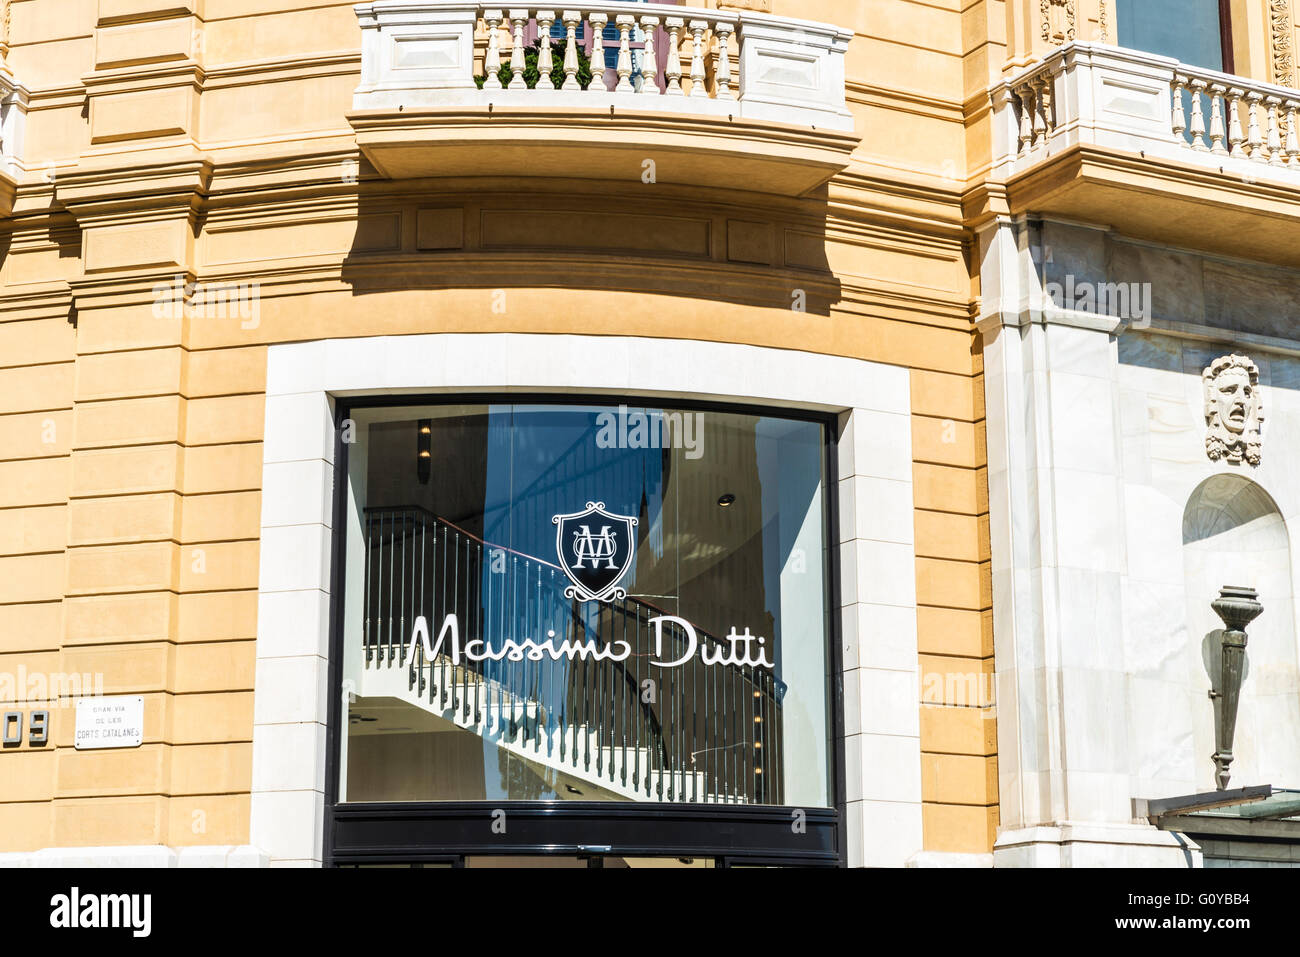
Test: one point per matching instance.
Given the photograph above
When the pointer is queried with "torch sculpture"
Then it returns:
(1238, 607)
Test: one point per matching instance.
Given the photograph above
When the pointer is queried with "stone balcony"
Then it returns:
(1155, 148)
(714, 98)
(13, 122)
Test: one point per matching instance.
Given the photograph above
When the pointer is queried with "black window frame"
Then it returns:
(1225, 36)
(416, 831)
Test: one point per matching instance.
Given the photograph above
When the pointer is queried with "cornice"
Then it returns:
(158, 10)
(1082, 161)
(306, 67)
(1048, 316)
(130, 79)
(134, 288)
(475, 122)
(135, 191)
(47, 300)
(874, 234)
(1227, 338)
(984, 202)
(930, 188)
(249, 174)
(56, 97)
(905, 304)
(903, 101)
(869, 194)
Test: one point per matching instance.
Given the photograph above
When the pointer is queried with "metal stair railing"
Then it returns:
(692, 733)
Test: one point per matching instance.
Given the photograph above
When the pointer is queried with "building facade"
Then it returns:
(634, 433)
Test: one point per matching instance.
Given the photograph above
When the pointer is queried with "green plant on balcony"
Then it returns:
(532, 74)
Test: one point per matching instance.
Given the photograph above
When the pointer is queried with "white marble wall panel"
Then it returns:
(1102, 620)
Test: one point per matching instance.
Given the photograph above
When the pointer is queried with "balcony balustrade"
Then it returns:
(728, 98)
(1126, 99)
(1083, 132)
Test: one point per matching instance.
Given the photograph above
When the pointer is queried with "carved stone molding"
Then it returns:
(1103, 21)
(1279, 16)
(1234, 410)
(1057, 20)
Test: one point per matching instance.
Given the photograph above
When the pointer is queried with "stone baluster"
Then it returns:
(1026, 98)
(545, 62)
(1008, 111)
(1040, 112)
(518, 19)
(1216, 120)
(598, 21)
(649, 66)
(1198, 116)
(571, 20)
(1254, 139)
(697, 28)
(1180, 115)
(673, 65)
(1292, 134)
(492, 59)
(1235, 135)
(625, 24)
(1275, 155)
(723, 74)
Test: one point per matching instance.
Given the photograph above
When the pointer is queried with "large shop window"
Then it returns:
(550, 602)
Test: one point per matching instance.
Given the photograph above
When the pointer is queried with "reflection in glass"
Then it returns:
(1187, 30)
(476, 670)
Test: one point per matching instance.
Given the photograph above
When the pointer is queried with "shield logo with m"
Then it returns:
(595, 550)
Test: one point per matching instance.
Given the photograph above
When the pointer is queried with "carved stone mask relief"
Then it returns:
(1234, 410)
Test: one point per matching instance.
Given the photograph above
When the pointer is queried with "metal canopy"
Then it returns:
(1205, 801)
(1260, 811)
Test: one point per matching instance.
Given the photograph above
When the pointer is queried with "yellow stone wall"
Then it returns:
(208, 138)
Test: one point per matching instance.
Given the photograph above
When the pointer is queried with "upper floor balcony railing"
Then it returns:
(1086, 130)
(1130, 100)
(729, 98)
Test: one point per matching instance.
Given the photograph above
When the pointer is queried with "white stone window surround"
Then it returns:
(877, 569)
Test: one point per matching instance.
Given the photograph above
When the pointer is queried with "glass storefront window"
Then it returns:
(569, 602)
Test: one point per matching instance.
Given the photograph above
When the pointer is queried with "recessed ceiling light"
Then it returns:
(726, 499)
